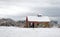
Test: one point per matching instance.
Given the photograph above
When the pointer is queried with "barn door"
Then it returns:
(31, 25)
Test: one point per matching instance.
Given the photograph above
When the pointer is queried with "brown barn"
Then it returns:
(37, 21)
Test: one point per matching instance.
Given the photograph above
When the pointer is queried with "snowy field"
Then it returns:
(26, 32)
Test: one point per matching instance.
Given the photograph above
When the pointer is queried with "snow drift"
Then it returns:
(29, 32)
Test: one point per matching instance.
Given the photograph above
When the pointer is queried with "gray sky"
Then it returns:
(18, 9)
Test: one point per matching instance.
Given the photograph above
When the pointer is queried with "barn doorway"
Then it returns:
(31, 25)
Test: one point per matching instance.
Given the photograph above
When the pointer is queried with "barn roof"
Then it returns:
(39, 19)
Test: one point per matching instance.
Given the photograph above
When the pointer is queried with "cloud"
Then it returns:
(13, 10)
(23, 8)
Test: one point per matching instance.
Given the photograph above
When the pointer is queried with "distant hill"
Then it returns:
(10, 22)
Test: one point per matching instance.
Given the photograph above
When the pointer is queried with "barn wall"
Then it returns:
(37, 23)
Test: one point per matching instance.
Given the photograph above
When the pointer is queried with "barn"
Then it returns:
(37, 21)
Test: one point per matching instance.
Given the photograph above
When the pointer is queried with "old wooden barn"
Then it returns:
(37, 21)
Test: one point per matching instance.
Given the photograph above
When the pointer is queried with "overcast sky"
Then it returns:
(18, 9)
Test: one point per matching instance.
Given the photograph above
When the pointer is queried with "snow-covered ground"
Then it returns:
(29, 32)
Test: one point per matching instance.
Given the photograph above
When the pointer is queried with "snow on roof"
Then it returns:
(39, 19)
